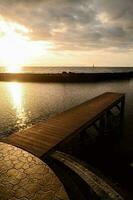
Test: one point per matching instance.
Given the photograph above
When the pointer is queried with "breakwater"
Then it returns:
(64, 77)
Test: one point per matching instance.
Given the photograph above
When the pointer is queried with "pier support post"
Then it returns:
(108, 122)
(102, 125)
(122, 114)
(82, 138)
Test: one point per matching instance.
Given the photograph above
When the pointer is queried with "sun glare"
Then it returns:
(16, 91)
(13, 51)
(17, 49)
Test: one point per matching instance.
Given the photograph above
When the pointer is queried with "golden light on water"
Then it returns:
(16, 94)
(16, 91)
(13, 69)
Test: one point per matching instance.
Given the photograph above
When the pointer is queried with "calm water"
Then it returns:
(22, 104)
(72, 69)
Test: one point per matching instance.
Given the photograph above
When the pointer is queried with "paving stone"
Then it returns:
(25, 177)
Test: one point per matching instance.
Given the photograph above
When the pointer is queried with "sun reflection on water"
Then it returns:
(16, 91)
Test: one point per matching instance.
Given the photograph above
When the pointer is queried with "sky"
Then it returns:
(66, 32)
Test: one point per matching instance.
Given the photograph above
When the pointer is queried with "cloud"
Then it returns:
(75, 24)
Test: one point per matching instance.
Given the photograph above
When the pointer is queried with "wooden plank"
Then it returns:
(46, 135)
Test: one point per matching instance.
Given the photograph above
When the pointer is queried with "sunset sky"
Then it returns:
(66, 32)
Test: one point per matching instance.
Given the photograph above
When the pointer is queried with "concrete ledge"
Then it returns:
(97, 184)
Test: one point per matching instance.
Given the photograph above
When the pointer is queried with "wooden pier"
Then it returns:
(47, 135)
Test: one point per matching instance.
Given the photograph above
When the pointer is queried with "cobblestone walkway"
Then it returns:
(25, 177)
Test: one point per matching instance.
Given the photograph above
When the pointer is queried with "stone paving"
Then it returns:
(25, 177)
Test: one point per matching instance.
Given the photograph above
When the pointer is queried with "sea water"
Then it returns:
(24, 104)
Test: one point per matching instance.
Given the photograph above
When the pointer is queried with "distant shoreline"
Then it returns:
(64, 77)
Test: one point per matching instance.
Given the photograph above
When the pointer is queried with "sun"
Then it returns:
(14, 51)
(16, 47)
(13, 45)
